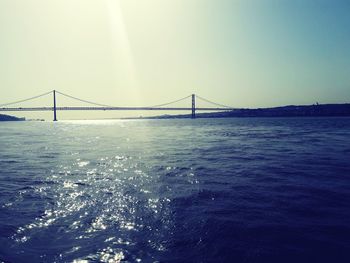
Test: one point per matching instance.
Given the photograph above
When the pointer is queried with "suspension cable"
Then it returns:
(19, 101)
(160, 105)
(86, 101)
(214, 103)
(104, 105)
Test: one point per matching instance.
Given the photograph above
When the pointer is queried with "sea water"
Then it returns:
(204, 190)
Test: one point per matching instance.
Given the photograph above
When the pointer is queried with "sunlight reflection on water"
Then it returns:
(100, 195)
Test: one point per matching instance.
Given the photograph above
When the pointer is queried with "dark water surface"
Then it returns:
(205, 190)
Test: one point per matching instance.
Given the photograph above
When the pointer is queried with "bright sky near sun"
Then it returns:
(242, 53)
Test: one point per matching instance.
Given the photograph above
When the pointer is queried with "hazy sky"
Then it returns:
(243, 53)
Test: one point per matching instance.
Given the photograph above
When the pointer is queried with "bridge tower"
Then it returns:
(193, 106)
(54, 106)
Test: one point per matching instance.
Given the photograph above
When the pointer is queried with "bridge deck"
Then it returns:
(110, 109)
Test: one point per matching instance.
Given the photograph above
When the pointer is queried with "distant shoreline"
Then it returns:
(317, 110)
(4, 117)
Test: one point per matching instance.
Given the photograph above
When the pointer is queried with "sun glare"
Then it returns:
(122, 52)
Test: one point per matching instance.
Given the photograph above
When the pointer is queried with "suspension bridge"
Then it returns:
(102, 107)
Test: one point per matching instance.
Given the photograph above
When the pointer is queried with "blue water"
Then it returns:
(205, 190)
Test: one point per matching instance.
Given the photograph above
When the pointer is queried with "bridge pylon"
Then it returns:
(54, 106)
(193, 106)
